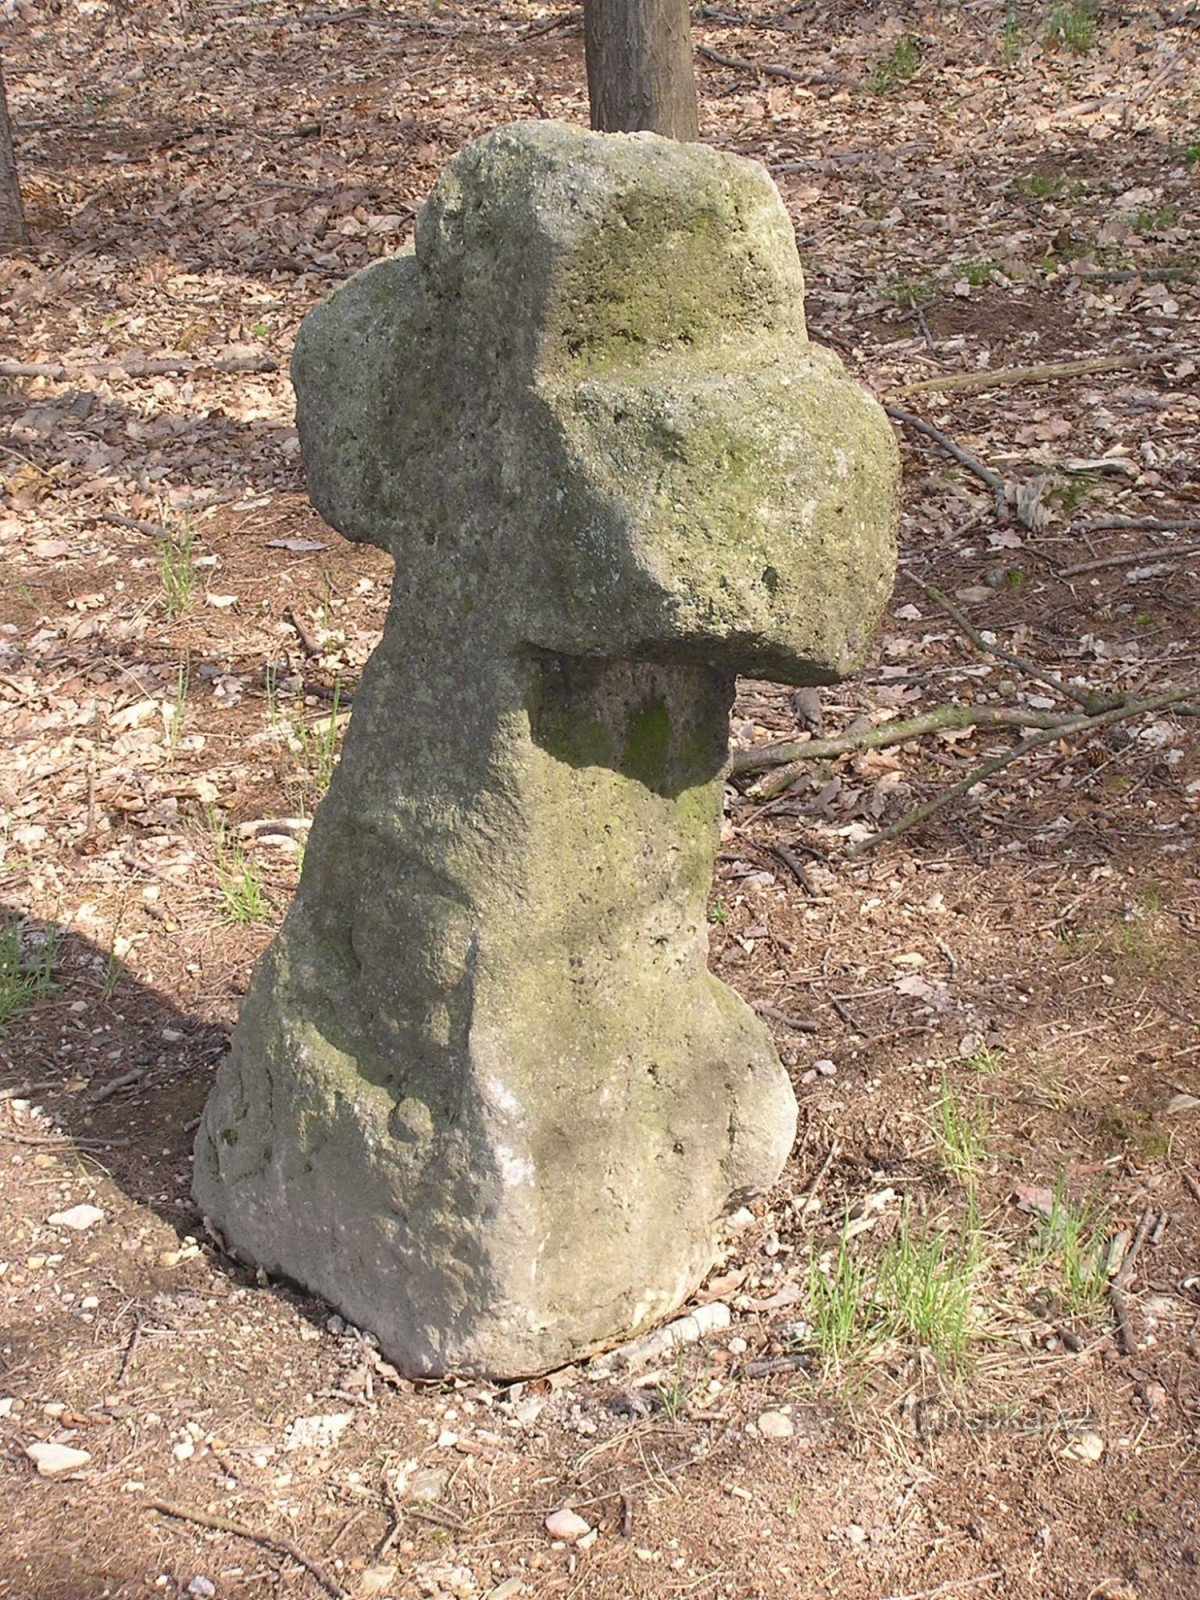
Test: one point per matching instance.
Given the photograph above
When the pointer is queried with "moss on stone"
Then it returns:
(646, 753)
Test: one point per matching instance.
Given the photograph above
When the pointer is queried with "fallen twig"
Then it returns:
(766, 69)
(1128, 558)
(964, 457)
(761, 758)
(566, 20)
(1125, 1334)
(1132, 274)
(1044, 372)
(152, 530)
(61, 1141)
(787, 858)
(307, 643)
(1124, 1273)
(105, 1091)
(134, 367)
(135, 1338)
(810, 1191)
(1091, 703)
(766, 1366)
(773, 1013)
(1084, 725)
(1139, 525)
(268, 1541)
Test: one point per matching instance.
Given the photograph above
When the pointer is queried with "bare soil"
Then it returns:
(992, 1018)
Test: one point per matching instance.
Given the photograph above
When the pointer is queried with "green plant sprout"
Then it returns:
(177, 572)
(961, 1134)
(23, 982)
(243, 898)
(1075, 1238)
(1073, 23)
(899, 66)
(927, 1286)
(174, 728)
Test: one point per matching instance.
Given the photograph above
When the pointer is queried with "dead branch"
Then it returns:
(135, 1338)
(1046, 372)
(134, 367)
(1124, 1274)
(566, 20)
(1125, 1334)
(787, 858)
(126, 1080)
(964, 457)
(1133, 274)
(152, 530)
(773, 1014)
(1087, 726)
(764, 69)
(1128, 558)
(307, 643)
(1091, 702)
(764, 757)
(268, 1541)
(808, 1195)
(1139, 525)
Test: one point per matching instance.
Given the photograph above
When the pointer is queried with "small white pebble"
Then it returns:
(774, 1425)
(567, 1525)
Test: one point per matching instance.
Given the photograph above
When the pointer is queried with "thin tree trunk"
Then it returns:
(639, 67)
(12, 216)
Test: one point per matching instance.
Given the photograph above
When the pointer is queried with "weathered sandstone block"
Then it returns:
(485, 1095)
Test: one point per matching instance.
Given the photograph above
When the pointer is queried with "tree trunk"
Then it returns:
(12, 217)
(639, 67)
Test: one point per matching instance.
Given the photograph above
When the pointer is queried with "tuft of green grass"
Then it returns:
(321, 742)
(841, 1306)
(927, 1285)
(910, 292)
(1070, 492)
(174, 729)
(1144, 940)
(1014, 38)
(239, 883)
(986, 1061)
(24, 980)
(1041, 185)
(674, 1391)
(718, 914)
(898, 66)
(961, 1133)
(316, 743)
(921, 1289)
(1153, 219)
(1072, 1238)
(1073, 23)
(976, 273)
(114, 968)
(177, 572)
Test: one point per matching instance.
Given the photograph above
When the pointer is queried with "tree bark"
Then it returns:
(639, 67)
(12, 215)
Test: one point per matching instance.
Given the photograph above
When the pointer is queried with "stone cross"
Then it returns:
(485, 1096)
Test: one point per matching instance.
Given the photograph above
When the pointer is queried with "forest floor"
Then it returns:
(940, 1377)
